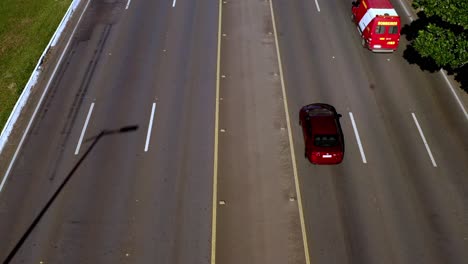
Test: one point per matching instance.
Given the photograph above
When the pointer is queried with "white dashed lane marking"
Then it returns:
(150, 127)
(83, 131)
(424, 140)
(317, 4)
(358, 139)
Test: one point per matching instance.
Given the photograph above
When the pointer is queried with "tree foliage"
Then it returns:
(444, 46)
(446, 42)
(451, 11)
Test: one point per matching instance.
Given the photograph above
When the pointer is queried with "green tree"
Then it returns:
(445, 42)
(452, 11)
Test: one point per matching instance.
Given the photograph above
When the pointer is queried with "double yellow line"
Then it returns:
(215, 163)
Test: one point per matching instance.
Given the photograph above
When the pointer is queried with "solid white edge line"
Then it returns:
(128, 4)
(460, 104)
(42, 98)
(424, 140)
(215, 147)
(455, 94)
(174, 3)
(291, 142)
(33, 78)
(83, 131)
(150, 127)
(317, 4)
(358, 139)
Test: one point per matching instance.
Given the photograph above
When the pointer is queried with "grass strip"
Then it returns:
(26, 27)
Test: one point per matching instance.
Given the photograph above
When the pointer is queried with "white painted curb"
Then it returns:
(34, 77)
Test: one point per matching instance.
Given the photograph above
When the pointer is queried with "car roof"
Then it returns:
(378, 4)
(324, 125)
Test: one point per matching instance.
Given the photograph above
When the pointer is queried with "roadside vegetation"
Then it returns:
(440, 37)
(26, 27)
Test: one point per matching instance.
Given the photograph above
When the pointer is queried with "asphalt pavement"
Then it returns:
(138, 197)
(145, 196)
(392, 202)
(258, 218)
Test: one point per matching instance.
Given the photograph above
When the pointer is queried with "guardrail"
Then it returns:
(8, 128)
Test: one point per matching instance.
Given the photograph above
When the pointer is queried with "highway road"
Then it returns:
(135, 198)
(216, 101)
(392, 203)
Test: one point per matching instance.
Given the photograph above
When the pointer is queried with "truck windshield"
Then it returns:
(393, 30)
(380, 29)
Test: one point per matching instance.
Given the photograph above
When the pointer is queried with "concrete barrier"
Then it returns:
(8, 128)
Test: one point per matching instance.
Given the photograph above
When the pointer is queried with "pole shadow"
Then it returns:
(38, 218)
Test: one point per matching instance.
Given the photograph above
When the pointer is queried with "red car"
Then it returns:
(324, 143)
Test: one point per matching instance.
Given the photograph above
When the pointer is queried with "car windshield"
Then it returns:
(326, 140)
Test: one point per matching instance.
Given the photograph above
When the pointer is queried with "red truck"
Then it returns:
(378, 23)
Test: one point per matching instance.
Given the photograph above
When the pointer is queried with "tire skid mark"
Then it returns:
(79, 97)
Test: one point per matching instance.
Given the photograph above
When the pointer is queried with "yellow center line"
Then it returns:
(215, 154)
(293, 156)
